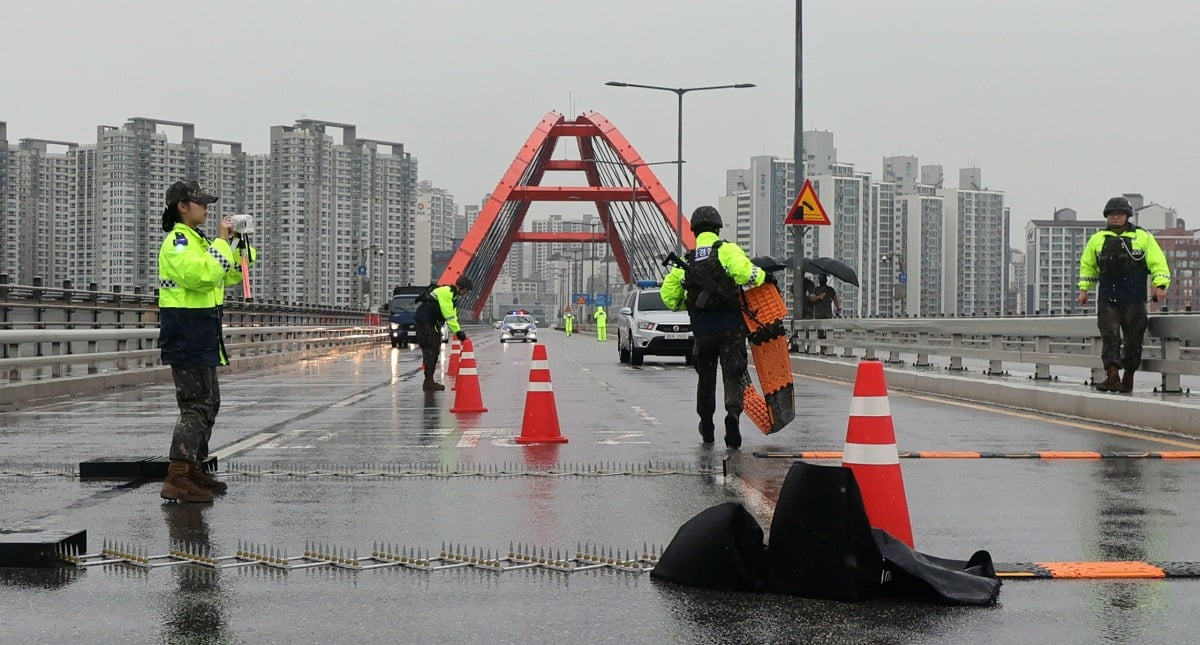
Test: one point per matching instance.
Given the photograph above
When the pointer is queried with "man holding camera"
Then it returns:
(437, 308)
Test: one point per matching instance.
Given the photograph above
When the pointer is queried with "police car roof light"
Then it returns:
(645, 284)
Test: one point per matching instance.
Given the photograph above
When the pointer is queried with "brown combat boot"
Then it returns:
(1112, 382)
(1127, 382)
(206, 481)
(432, 386)
(177, 486)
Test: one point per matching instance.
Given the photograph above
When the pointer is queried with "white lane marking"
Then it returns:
(469, 439)
(759, 505)
(659, 368)
(244, 444)
(349, 401)
(646, 416)
(623, 438)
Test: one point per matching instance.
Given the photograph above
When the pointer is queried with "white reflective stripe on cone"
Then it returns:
(870, 406)
(539, 386)
(539, 365)
(871, 454)
(466, 355)
(467, 371)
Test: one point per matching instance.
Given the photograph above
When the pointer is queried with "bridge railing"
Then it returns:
(72, 361)
(1172, 346)
(36, 306)
(64, 340)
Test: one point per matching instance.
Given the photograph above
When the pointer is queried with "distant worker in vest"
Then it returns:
(711, 292)
(569, 321)
(1119, 258)
(192, 274)
(438, 307)
(601, 319)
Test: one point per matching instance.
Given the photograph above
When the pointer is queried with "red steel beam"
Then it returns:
(582, 193)
(568, 164)
(566, 236)
(575, 129)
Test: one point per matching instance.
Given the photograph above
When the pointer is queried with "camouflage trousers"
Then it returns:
(1117, 319)
(729, 348)
(199, 399)
(430, 340)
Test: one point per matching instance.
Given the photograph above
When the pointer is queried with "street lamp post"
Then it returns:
(592, 257)
(679, 92)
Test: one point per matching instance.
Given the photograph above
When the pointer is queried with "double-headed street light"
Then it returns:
(679, 92)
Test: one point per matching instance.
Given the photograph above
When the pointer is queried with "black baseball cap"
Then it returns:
(188, 191)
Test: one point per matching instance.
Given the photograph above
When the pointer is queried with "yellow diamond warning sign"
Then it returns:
(807, 211)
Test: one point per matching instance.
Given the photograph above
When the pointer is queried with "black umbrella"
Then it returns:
(770, 264)
(830, 266)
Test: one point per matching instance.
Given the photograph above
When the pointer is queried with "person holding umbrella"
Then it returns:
(825, 300)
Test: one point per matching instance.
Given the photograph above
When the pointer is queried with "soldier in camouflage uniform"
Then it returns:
(192, 272)
(713, 300)
(1119, 259)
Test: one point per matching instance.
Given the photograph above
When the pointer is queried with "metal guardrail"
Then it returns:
(1172, 346)
(35, 354)
(40, 307)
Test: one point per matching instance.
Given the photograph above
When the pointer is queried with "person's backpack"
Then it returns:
(427, 294)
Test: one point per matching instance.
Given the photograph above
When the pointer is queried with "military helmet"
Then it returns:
(706, 219)
(1118, 205)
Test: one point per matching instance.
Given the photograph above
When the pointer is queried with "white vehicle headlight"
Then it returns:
(394, 325)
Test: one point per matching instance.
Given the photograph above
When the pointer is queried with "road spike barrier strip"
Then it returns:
(587, 556)
(250, 471)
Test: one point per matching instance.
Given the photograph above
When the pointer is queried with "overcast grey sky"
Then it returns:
(1060, 102)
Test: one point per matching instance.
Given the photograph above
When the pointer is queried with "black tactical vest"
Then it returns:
(1118, 257)
(709, 286)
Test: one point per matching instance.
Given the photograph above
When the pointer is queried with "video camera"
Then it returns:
(243, 224)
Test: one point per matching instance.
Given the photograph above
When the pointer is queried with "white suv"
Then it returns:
(646, 326)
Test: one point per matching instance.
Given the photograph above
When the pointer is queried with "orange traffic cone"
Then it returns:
(871, 454)
(467, 397)
(455, 351)
(541, 413)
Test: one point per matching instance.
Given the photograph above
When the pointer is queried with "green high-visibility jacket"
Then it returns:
(191, 273)
(1145, 257)
(439, 308)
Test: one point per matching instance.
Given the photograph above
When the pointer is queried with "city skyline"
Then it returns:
(1064, 104)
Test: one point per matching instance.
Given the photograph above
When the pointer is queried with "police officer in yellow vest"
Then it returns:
(569, 321)
(439, 306)
(1119, 258)
(601, 320)
(192, 273)
(714, 302)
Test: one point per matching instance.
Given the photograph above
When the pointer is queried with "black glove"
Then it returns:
(460, 335)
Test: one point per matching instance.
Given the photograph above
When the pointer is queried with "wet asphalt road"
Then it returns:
(365, 412)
